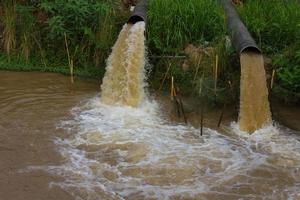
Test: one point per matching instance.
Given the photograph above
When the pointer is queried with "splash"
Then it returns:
(116, 152)
(123, 82)
(254, 104)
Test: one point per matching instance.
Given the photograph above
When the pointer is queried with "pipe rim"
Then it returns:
(136, 18)
(251, 49)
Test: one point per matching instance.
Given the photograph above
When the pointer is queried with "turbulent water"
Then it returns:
(135, 153)
(123, 81)
(120, 146)
(254, 103)
(120, 152)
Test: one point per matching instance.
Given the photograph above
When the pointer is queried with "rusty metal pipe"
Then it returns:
(241, 38)
(139, 13)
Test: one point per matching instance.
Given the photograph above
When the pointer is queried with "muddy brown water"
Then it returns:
(123, 82)
(30, 106)
(254, 103)
(58, 141)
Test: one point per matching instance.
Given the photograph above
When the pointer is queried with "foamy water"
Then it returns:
(123, 82)
(135, 153)
(254, 103)
(122, 147)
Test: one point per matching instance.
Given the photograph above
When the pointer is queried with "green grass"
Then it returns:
(35, 64)
(274, 24)
(34, 35)
(8, 19)
(174, 24)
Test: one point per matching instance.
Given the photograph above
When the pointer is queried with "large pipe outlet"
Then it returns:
(139, 13)
(241, 38)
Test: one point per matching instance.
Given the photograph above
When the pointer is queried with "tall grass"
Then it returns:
(26, 28)
(88, 25)
(9, 23)
(274, 23)
(36, 30)
(104, 35)
(174, 24)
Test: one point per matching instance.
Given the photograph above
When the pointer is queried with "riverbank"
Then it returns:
(18, 64)
(282, 110)
(190, 46)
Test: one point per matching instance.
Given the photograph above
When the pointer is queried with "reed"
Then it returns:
(70, 60)
(216, 74)
(201, 105)
(41, 51)
(104, 35)
(9, 23)
(172, 92)
(179, 99)
(272, 79)
(165, 76)
(26, 28)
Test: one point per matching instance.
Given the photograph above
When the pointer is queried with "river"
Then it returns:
(58, 141)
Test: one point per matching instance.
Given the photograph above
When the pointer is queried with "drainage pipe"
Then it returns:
(139, 13)
(241, 38)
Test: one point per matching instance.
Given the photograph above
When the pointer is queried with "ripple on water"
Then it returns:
(134, 153)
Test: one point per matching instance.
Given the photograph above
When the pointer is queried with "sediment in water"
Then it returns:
(254, 104)
(123, 82)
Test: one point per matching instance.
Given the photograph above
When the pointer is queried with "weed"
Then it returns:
(9, 22)
(172, 25)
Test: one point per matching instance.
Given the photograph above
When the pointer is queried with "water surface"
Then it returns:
(59, 141)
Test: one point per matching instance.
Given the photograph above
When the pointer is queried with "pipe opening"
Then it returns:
(134, 19)
(250, 49)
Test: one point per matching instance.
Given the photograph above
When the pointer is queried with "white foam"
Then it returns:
(125, 152)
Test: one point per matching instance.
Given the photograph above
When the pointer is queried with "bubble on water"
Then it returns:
(114, 151)
(124, 152)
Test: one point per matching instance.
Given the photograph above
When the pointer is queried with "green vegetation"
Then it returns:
(194, 28)
(81, 22)
(59, 35)
(9, 26)
(276, 26)
(288, 72)
(175, 24)
(19, 64)
(42, 34)
(273, 24)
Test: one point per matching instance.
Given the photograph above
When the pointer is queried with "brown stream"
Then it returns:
(57, 141)
(254, 104)
(123, 83)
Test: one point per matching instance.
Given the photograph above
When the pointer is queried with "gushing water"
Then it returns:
(121, 147)
(254, 103)
(123, 82)
(135, 153)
